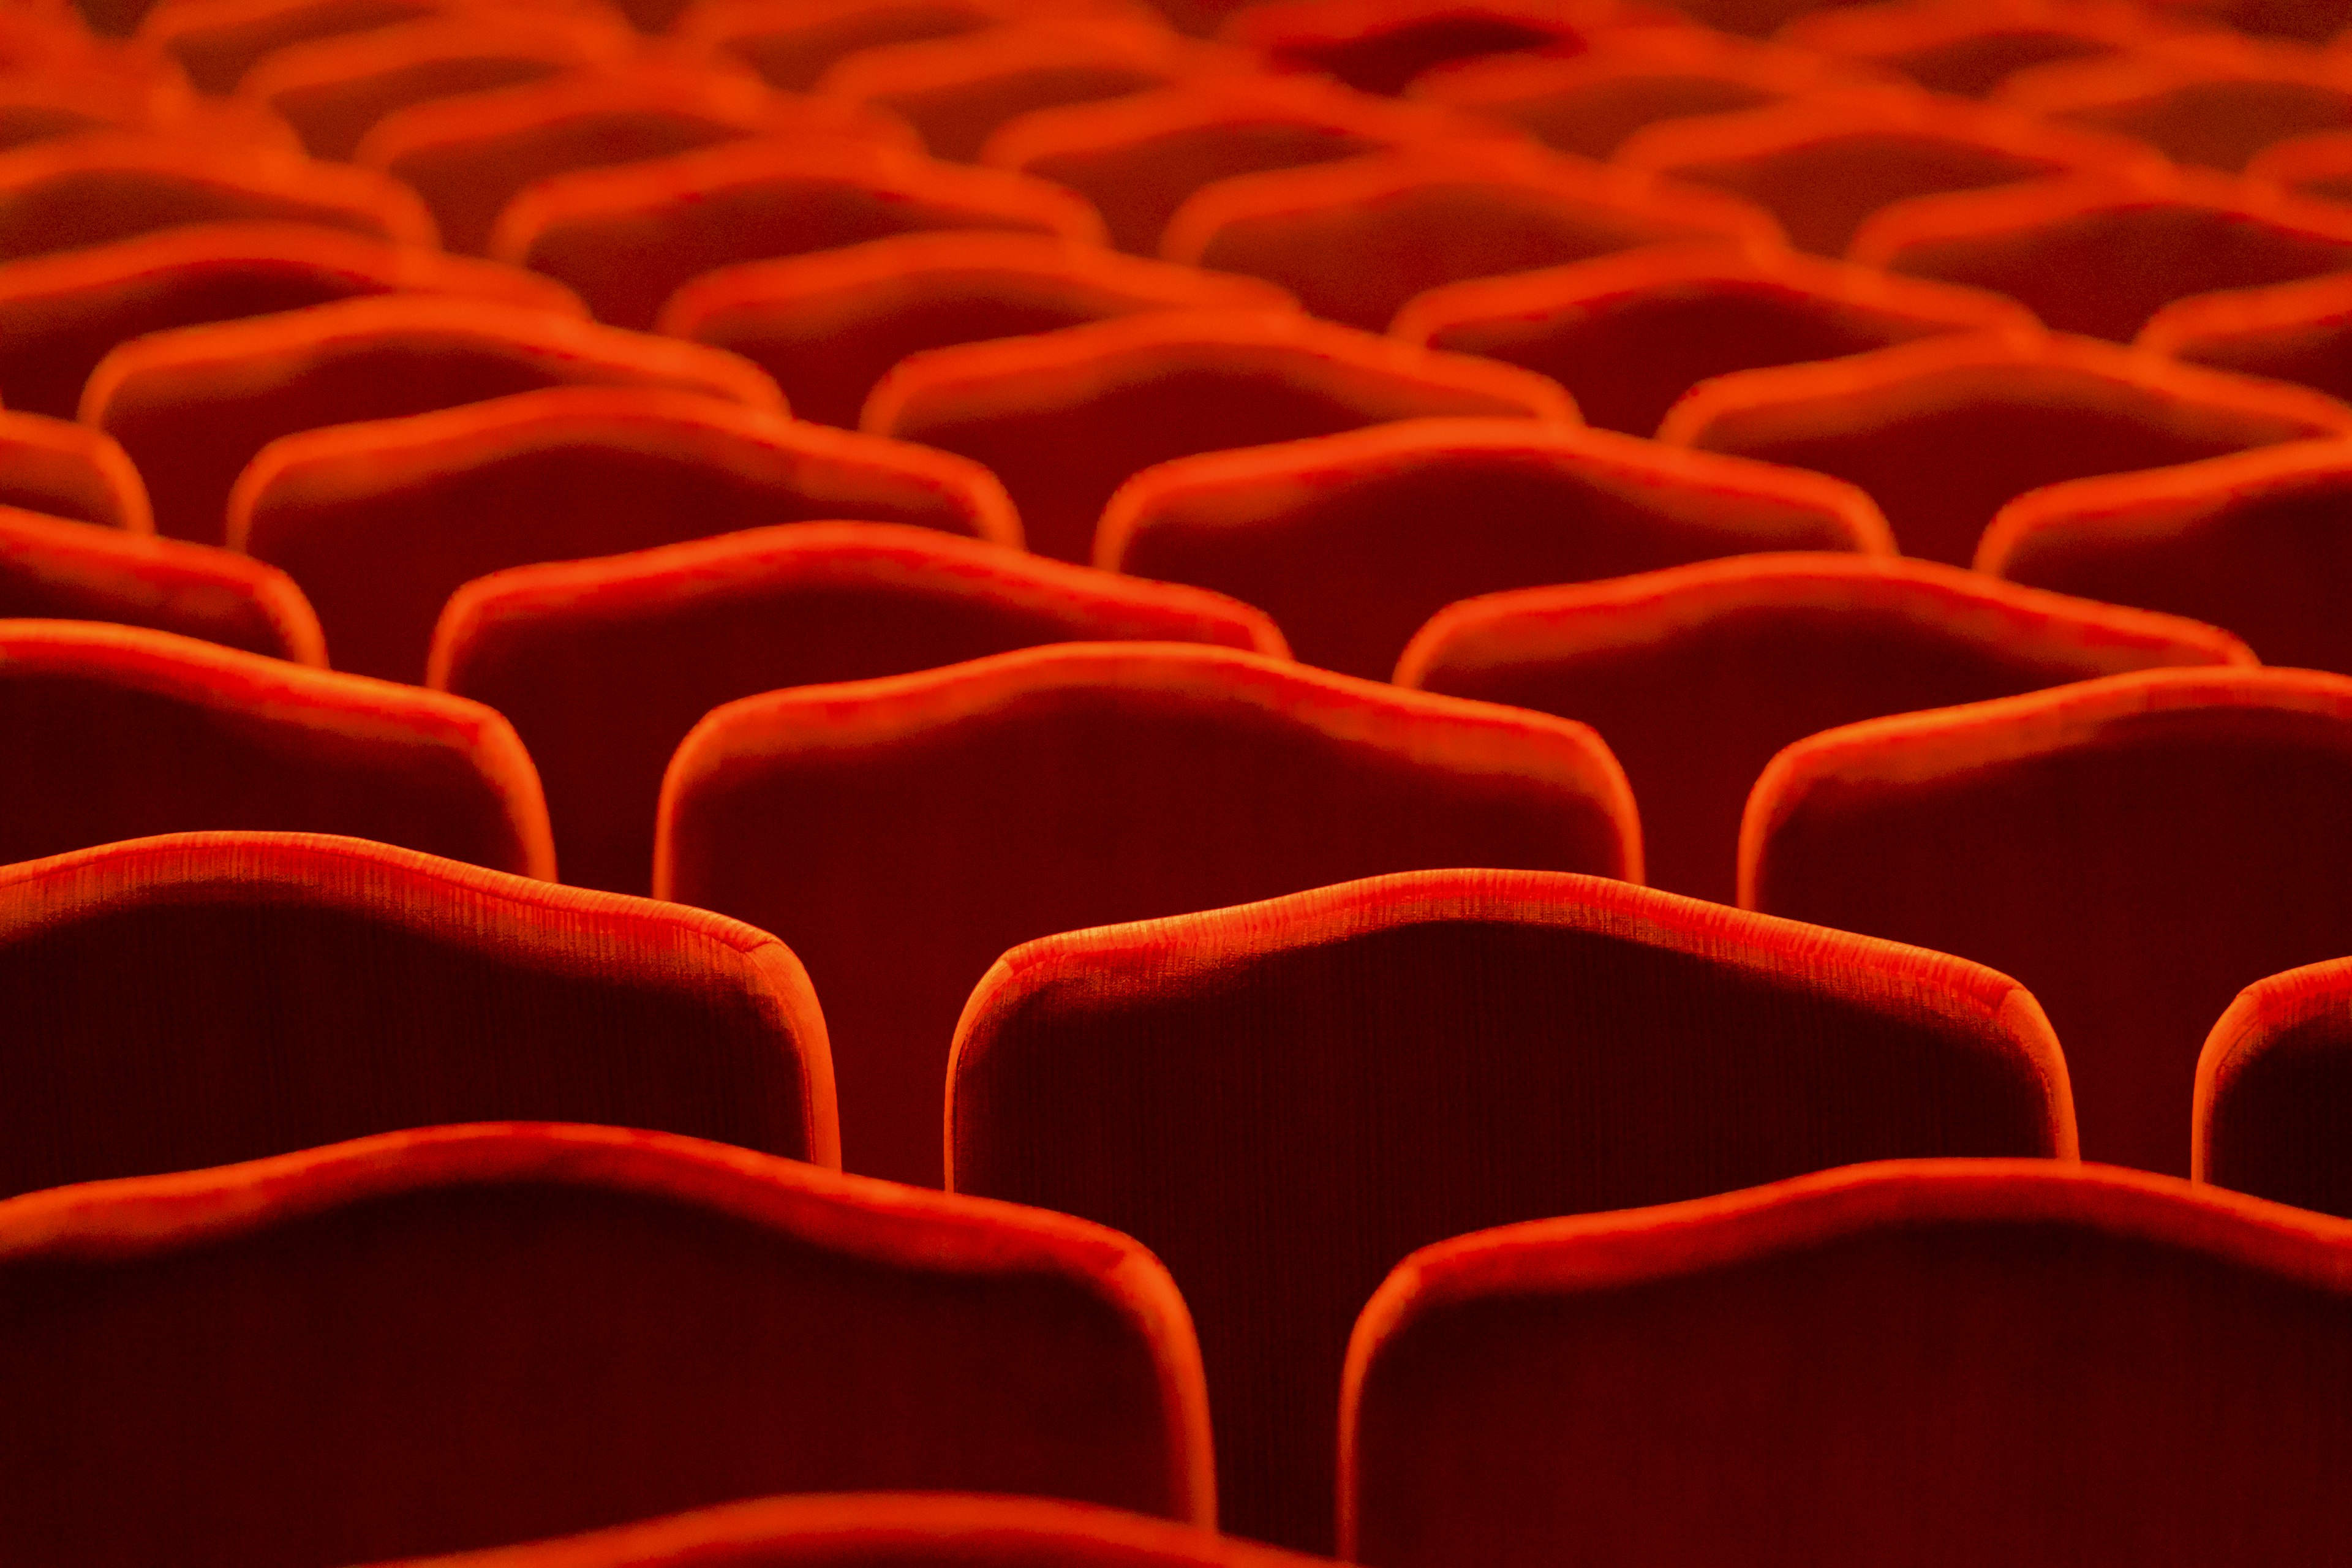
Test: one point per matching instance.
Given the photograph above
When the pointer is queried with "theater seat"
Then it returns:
(606, 665)
(1065, 418)
(1945, 432)
(1282, 1100)
(2317, 164)
(1352, 541)
(215, 42)
(1697, 675)
(472, 1336)
(64, 469)
(2136, 850)
(52, 569)
(1970, 47)
(2299, 331)
(900, 833)
(1382, 46)
(791, 43)
(116, 732)
(2209, 100)
(2271, 1085)
(2123, 1371)
(193, 406)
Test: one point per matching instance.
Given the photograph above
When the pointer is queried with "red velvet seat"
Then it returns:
(2208, 100)
(1065, 418)
(1697, 675)
(2101, 254)
(70, 470)
(194, 406)
(2301, 21)
(60, 315)
(605, 666)
(381, 522)
(1628, 335)
(1746, 18)
(116, 732)
(791, 43)
(1945, 433)
(2299, 331)
(2271, 1085)
(1942, 1363)
(900, 833)
(829, 325)
(52, 569)
(1357, 238)
(215, 42)
(626, 238)
(1352, 541)
(1283, 1100)
(1382, 46)
(469, 1336)
(2136, 850)
(2317, 164)
(1970, 47)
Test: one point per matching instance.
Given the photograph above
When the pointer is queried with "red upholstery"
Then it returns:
(468, 1336)
(604, 666)
(1284, 1099)
(2298, 332)
(1944, 1363)
(1628, 335)
(791, 43)
(900, 833)
(2135, 849)
(626, 238)
(1352, 541)
(2101, 254)
(1945, 433)
(116, 732)
(1696, 676)
(218, 41)
(70, 470)
(381, 522)
(1380, 45)
(60, 315)
(2256, 542)
(51, 569)
(2205, 100)
(1065, 418)
(1970, 47)
(193, 406)
(2271, 1085)
(1357, 238)
(204, 997)
(86, 190)
(469, 155)
(829, 325)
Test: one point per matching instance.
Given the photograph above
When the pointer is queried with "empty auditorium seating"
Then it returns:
(218, 41)
(70, 470)
(470, 1336)
(381, 522)
(194, 406)
(1352, 541)
(606, 665)
(2256, 542)
(2203, 101)
(2099, 254)
(1065, 418)
(2288, 331)
(1356, 239)
(60, 315)
(1945, 432)
(900, 833)
(2271, 1085)
(625, 238)
(1940, 1363)
(1697, 675)
(1382, 46)
(115, 731)
(1283, 1100)
(1628, 335)
(1969, 47)
(792, 43)
(2135, 849)
(52, 569)
(828, 325)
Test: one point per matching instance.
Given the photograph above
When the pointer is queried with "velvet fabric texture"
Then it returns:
(116, 732)
(1383, 46)
(792, 43)
(828, 326)
(2136, 850)
(1357, 238)
(1629, 334)
(1943, 433)
(381, 522)
(194, 407)
(215, 42)
(1065, 418)
(901, 833)
(606, 665)
(1968, 48)
(1282, 1100)
(1940, 1363)
(888, 1530)
(2272, 1084)
(1699, 675)
(463, 1337)
(624, 239)
(51, 569)
(60, 315)
(1352, 541)
(69, 470)
(2214, 102)
(2256, 542)
(2297, 332)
